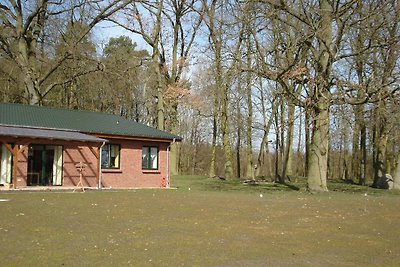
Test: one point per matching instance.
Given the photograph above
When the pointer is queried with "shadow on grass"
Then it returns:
(203, 183)
(212, 184)
(291, 186)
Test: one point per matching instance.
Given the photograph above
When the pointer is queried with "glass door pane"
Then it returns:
(40, 165)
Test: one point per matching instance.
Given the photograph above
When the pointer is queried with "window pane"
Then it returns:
(114, 154)
(154, 157)
(104, 156)
(145, 158)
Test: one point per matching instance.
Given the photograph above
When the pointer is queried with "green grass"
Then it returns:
(215, 223)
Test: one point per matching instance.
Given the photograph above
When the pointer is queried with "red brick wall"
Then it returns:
(130, 173)
(74, 153)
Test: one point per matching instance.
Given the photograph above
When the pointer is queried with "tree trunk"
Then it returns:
(238, 144)
(299, 167)
(238, 167)
(261, 155)
(363, 145)
(160, 100)
(307, 140)
(31, 91)
(225, 134)
(356, 151)
(174, 146)
(318, 157)
(396, 174)
(224, 89)
(278, 178)
(25, 58)
(380, 159)
(288, 155)
(265, 141)
(249, 156)
(211, 173)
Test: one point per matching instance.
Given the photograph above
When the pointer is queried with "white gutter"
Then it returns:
(100, 172)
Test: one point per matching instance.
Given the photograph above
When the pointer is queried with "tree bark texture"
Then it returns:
(318, 157)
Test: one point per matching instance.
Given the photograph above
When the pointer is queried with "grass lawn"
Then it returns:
(215, 223)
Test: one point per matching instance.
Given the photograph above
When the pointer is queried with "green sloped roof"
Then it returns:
(83, 121)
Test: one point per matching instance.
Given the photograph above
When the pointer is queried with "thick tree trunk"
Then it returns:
(261, 155)
(174, 146)
(160, 101)
(380, 159)
(174, 158)
(363, 144)
(288, 155)
(31, 91)
(249, 150)
(318, 157)
(225, 134)
(381, 109)
(224, 89)
(299, 166)
(396, 174)
(380, 142)
(32, 88)
(356, 151)
(194, 144)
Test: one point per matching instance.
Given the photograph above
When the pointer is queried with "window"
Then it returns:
(149, 158)
(110, 156)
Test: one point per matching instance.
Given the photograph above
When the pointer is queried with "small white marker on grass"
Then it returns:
(261, 195)
(4, 200)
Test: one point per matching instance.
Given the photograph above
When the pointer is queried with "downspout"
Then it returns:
(168, 160)
(100, 172)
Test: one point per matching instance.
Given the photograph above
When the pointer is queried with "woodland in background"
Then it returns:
(264, 88)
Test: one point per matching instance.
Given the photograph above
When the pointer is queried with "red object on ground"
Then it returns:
(163, 182)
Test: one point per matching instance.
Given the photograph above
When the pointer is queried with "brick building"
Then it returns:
(45, 146)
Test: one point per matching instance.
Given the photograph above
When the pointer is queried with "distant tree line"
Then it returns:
(268, 89)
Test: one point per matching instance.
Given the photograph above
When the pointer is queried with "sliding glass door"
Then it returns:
(44, 165)
(5, 165)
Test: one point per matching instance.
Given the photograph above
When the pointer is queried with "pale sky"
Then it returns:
(103, 31)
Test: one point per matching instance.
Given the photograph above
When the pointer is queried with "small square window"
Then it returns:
(149, 158)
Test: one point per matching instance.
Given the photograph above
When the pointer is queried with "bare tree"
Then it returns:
(163, 25)
(23, 25)
(323, 25)
(214, 19)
